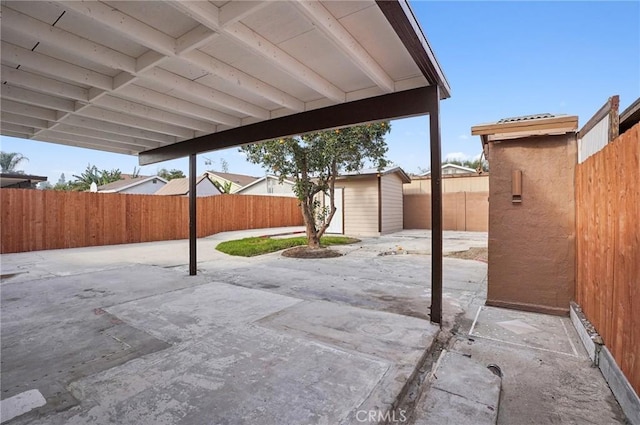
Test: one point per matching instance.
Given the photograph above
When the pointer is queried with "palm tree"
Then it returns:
(10, 160)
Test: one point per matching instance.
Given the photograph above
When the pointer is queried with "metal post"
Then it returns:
(193, 257)
(436, 208)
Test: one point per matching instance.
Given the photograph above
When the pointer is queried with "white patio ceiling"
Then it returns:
(131, 76)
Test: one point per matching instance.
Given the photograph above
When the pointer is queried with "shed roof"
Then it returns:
(374, 171)
(141, 77)
(525, 126)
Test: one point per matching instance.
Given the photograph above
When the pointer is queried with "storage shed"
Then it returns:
(531, 211)
(369, 202)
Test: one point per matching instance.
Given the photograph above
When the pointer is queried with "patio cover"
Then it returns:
(164, 80)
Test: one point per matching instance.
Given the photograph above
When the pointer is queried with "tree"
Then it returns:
(10, 160)
(313, 162)
(170, 175)
(62, 184)
(92, 175)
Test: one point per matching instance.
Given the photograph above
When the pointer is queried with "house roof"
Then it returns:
(456, 166)
(374, 171)
(168, 79)
(240, 179)
(261, 179)
(120, 185)
(525, 126)
(179, 186)
(15, 179)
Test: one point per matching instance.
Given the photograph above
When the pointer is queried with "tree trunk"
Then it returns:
(313, 240)
(332, 195)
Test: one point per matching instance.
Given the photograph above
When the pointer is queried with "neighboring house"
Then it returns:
(268, 185)
(369, 203)
(237, 181)
(449, 169)
(180, 187)
(144, 185)
(20, 181)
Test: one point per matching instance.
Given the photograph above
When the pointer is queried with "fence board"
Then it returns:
(461, 211)
(608, 248)
(34, 220)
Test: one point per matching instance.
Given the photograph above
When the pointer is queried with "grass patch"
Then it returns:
(250, 247)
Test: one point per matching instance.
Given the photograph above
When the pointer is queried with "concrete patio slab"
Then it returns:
(144, 344)
(538, 331)
(462, 391)
(121, 334)
(547, 375)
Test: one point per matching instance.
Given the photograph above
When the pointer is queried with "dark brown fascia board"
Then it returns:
(612, 104)
(630, 116)
(561, 122)
(403, 21)
(402, 104)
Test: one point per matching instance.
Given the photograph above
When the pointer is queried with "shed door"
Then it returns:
(337, 222)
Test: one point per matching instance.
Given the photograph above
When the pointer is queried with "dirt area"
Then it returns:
(306, 252)
(478, 254)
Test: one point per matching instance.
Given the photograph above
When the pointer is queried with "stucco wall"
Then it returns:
(360, 206)
(391, 186)
(532, 244)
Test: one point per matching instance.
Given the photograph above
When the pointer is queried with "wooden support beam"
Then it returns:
(436, 207)
(390, 106)
(193, 230)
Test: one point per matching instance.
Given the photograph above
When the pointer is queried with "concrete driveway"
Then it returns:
(122, 335)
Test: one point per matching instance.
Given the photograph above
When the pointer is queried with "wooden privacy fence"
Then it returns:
(462, 211)
(34, 220)
(608, 248)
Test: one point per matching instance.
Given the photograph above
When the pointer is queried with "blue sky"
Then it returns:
(502, 59)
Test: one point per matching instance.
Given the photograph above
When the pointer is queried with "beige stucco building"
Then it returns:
(531, 211)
